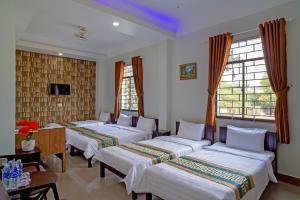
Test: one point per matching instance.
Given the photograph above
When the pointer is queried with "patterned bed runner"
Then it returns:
(157, 155)
(239, 181)
(103, 139)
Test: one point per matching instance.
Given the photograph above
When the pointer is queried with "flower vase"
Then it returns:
(28, 145)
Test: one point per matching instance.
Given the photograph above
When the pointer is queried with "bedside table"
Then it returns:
(161, 133)
(29, 156)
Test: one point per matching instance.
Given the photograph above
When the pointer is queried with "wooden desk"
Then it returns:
(49, 141)
(39, 181)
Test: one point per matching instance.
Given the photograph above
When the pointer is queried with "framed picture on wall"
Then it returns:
(188, 71)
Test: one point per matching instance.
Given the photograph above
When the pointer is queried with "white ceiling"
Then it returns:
(189, 15)
(53, 23)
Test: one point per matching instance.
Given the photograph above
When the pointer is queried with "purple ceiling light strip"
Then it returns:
(144, 13)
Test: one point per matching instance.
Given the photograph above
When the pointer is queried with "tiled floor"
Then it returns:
(82, 183)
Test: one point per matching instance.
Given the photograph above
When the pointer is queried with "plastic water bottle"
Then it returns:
(20, 167)
(20, 164)
(6, 177)
(15, 176)
(10, 172)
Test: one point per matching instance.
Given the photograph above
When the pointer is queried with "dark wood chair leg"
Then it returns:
(54, 190)
(102, 170)
(72, 152)
(90, 162)
(134, 195)
(148, 196)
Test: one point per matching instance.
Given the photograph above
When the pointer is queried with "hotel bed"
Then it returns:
(180, 180)
(129, 163)
(76, 140)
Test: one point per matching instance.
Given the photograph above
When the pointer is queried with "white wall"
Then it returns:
(170, 99)
(189, 98)
(155, 81)
(7, 77)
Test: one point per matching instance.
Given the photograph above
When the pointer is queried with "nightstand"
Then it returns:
(161, 133)
(29, 156)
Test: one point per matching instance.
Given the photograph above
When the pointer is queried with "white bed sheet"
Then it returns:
(133, 164)
(90, 146)
(266, 156)
(169, 182)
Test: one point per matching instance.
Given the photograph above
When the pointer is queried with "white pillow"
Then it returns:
(145, 124)
(104, 117)
(191, 131)
(252, 139)
(124, 120)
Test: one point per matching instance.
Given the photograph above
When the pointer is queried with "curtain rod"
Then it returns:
(255, 29)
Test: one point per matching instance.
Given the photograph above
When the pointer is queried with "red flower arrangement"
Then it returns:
(28, 128)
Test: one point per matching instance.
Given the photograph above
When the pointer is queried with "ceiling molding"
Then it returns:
(128, 17)
(54, 50)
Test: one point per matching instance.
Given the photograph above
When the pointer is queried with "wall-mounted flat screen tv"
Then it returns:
(59, 89)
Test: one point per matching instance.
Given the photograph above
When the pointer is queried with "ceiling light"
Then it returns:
(116, 24)
(60, 54)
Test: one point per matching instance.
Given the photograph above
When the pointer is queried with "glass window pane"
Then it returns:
(128, 93)
(251, 89)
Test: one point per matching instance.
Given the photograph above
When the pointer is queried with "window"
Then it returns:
(244, 91)
(128, 98)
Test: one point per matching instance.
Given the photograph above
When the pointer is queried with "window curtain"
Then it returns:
(274, 46)
(119, 73)
(137, 66)
(219, 50)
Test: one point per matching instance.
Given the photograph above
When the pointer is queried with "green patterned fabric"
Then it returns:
(103, 139)
(239, 181)
(157, 155)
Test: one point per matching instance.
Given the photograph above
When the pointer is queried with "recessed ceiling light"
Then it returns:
(116, 24)
(60, 54)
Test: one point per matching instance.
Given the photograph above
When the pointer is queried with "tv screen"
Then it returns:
(59, 89)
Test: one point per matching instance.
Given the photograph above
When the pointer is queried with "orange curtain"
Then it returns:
(137, 66)
(119, 73)
(219, 50)
(274, 46)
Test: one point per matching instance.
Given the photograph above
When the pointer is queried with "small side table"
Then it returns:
(29, 156)
(161, 133)
(41, 182)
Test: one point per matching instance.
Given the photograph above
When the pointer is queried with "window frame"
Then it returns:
(242, 62)
(129, 78)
